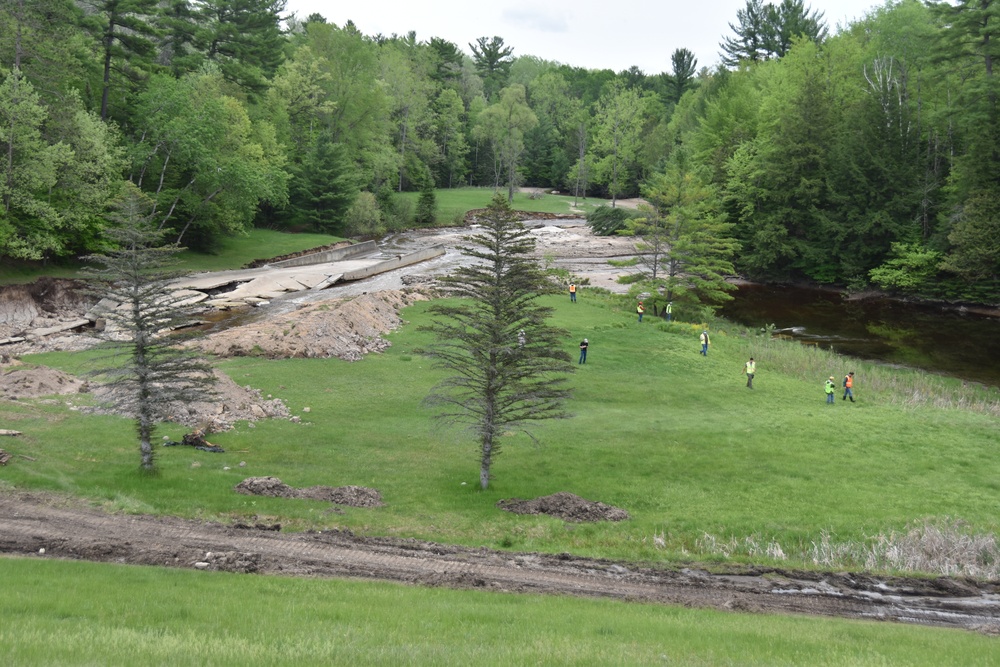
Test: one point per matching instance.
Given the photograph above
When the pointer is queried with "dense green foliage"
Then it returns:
(153, 616)
(829, 152)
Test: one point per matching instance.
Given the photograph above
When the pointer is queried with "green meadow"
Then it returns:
(73, 613)
(712, 474)
(708, 469)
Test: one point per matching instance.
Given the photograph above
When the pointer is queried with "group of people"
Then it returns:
(749, 368)
(848, 388)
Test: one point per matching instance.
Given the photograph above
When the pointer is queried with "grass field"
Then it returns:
(71, 613)
(710, 468)
(710, 472)
(452, 204)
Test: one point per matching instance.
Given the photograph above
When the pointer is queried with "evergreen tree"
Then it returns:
(494, 384)
(126, 31)
(686, 244)
(325, 187)
(427, 202)
(493, 62)
(133, 277)
(683, 67)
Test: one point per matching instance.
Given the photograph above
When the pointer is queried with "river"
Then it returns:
(950, 342)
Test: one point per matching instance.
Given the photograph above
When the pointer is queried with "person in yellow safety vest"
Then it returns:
(848, 384)
(669, 310)
(750, 369)
(572, 292)
(830, 390)
(705, 342)
(640, 309)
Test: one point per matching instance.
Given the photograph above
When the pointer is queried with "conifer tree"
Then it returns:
(133, 282)
(496, 385)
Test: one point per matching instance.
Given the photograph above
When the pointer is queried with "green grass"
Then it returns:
(452, 204)
(672, 437)
(235, 252)
(71, 613)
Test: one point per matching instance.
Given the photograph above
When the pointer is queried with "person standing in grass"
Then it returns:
(572, 292)
(705, 342)
(640, 309)
(750, 368)
(848, 384)
(583, 351)
(830, 390)
(669, 310)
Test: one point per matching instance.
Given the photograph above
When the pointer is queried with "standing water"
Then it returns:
(950, 342)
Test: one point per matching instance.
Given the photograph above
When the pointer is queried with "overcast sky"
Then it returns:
(596, 34)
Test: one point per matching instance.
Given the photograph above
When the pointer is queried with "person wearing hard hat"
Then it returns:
(640, 309)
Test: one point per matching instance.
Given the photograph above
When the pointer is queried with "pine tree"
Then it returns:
(497, 385)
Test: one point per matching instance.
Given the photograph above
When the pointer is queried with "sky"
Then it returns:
(595, 34)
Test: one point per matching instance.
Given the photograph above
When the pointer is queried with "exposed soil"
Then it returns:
(44, 526)
(566, 506)
(352, 496)
(19, 381)
(346, 328)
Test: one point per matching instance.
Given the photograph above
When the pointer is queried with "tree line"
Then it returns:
(865, 157)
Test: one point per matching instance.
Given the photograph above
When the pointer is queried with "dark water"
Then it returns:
(949, 342)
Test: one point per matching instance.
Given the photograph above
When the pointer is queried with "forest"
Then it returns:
(866, 157)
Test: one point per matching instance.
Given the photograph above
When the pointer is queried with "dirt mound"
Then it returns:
(230, 404)
(566, 506)
(352, 496)
(34, 381)
(347, 329)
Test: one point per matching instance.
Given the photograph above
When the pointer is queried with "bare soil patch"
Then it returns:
(18, 381)
(346, 328)
(46, 526)
(567, 506)
(229, 404)
(352, 496)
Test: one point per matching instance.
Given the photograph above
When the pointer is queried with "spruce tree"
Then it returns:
(496, 385)
(133, 282)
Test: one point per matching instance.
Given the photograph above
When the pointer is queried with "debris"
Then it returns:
(4, 431)
(196, 439)
(4, 457)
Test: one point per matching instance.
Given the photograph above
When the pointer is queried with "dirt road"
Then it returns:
(32, 522)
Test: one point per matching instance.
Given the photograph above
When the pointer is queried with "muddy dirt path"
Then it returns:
(32, 522)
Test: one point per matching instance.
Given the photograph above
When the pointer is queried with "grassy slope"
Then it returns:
(69, 613)
(673, 437)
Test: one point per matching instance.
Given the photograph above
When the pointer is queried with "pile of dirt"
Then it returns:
(347, 329)
(33, 381)
(229, 404)
(566, 506)
(352, 496)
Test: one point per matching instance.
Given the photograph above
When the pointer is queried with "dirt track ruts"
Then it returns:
(30, 522)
